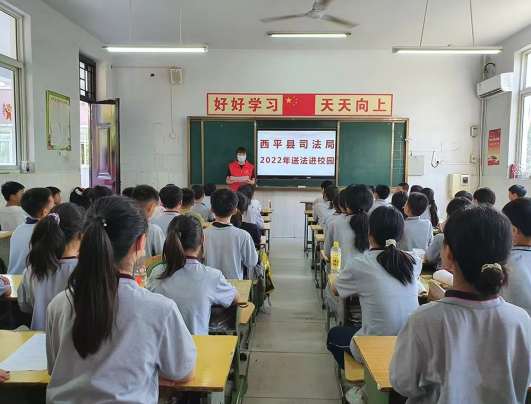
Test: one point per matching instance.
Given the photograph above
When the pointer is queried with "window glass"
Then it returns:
(8, 138)
(8, 35)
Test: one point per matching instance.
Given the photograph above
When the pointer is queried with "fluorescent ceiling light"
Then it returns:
(309, 34)
(156, 48)
(462, 50)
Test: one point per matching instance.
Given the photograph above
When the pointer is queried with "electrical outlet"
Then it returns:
(438, 161)
(473, 158)
(474, 131)
(172, 136)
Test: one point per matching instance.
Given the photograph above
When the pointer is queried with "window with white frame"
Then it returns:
(525, 114)
(11, 75)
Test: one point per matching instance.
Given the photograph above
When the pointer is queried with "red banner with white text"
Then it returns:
(244, 104)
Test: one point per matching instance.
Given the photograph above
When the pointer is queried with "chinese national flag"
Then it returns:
(298, 105)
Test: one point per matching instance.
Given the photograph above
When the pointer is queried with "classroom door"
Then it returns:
(105, 140)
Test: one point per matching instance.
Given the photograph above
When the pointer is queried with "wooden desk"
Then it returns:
(308, 204)
(267, 219)
(244, 287)
(319, 238)
(214, 359)
(377, 353)
(15, 282)
(307, 214)
(316, 228)
(266, 212)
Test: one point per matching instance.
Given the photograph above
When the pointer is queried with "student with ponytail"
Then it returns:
(432, 213)
(471, 346)
(108, 339)
(324, 209)
(338, 212)
(182, 277)
(385, 279)
(53, 256)
(351, 231)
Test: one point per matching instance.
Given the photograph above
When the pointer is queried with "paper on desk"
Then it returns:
(30, 356)
(239, 179)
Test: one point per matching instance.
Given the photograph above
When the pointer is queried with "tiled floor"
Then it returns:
(289, 363)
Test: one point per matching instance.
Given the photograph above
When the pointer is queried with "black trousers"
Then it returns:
(338, 342)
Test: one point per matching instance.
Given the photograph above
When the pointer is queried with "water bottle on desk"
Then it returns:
(335, 259)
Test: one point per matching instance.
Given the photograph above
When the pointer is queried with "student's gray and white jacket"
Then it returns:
(34, 296)
(321, 211)
(254, 216)
(385, 302)
(460, 350)
(255, 203)
(518, 290)
(331, 218)
(433, 253)
(163, 220)
(228, 248)
(200, 207)
(155, 240)
(418, 233)
(11, 217)
(377, 203)
(194, 288)
(149, 338)
(339, 230)
(19, 248)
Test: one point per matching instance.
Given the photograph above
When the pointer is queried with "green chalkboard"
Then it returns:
(368, 151)
(196, 170)
(221, 139)
(365, 153)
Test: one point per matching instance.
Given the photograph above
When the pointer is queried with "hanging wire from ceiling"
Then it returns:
(180, 22)
(424, 22)
(130, 18)
(472, 25)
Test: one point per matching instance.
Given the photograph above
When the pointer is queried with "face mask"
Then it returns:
(242, 159)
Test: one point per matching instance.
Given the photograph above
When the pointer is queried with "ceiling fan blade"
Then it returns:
(345, 23)
(325, 3)
(283, 18)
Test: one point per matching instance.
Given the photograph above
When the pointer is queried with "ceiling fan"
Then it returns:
(317, 13)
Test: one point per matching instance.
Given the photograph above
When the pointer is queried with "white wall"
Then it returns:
(502, 112)
(52, 47)
(437, 94)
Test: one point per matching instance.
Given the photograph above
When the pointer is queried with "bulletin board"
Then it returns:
(58, 130)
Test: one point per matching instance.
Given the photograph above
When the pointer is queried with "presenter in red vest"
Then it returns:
(240, 168)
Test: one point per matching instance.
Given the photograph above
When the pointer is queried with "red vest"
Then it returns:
(237, 171)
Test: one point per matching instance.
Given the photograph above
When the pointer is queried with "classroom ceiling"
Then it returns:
(234, 24)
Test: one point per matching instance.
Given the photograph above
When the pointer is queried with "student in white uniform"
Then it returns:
(324, 209)
(199, 206)
(108, 339)
(52, 259)
(333, 216)
(171, 198)
(399, 201)
(5, 287)
(226, 247)
(209, 190)
(471, 346)
(516, 191)
(518, 289)
(254, 215)
(418, 232)
(147, 198)
(320, 199)
(182, 277)
(342, 209)
(37, 202)
(352, 231)
(433, 253)
(381, 193)
(385, 279)
(432, 212)
(188, 204)
(12, 215)
(484, 196)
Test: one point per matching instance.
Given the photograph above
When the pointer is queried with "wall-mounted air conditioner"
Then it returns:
(496, 85)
